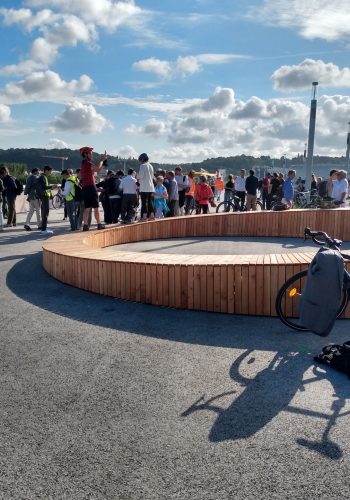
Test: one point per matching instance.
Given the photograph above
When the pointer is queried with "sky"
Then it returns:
(180, 80)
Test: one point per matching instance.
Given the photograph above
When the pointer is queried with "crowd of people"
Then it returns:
(158, 193)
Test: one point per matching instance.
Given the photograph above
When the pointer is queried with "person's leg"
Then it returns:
(97, 216)
(253, 203)
(44, 213)
(30, 212)
(143, 206)
(70, 206)
(124, 207)
(249, 202)
(205, 208)
(37, 211)
(131, 207)
(1, 218)
(150, 206)
(188, 204)
(118, 207)
(11, 216)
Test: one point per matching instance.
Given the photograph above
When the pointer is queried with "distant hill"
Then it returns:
(34, 157)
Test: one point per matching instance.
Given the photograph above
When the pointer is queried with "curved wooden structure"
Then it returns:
(240, 284)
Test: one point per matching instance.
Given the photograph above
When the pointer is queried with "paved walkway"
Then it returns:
(223, 246)
(105, 399)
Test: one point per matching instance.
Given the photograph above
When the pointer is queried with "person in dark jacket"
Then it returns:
(114, 195)
(251, 186)
(10, 189)
(32, 199)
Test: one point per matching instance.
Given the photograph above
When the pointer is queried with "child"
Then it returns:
(160, 197)
(203, 195)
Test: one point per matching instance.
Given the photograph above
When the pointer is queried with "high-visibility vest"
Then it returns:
(71, 195)
(47, 193)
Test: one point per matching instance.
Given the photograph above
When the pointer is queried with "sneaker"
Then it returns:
(100, 226)
(27, 228)
(46, 231)
(85, 227)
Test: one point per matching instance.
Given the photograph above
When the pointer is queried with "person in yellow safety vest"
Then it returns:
(69, 195)
(219, 185)
(43, 191)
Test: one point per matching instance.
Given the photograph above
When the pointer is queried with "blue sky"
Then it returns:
(183, 81)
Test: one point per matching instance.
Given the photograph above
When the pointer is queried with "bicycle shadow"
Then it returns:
(266, 395)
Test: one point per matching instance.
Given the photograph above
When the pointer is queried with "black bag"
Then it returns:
(322, 189)
(337, 356)
(19, 187)
(278, 206)
(78, 196)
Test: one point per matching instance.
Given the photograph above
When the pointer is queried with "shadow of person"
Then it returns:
(263, 397)
(326, 446)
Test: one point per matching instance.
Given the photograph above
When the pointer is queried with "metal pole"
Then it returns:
(348, 149)
(311, 140)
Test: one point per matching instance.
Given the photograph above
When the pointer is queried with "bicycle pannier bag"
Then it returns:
(320, 300)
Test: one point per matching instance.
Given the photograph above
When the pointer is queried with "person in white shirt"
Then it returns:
(340, 188)
(146, 178)
(128, 185)
(240, 188)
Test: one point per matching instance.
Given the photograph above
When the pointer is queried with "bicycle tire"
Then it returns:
(225, 207)
(287, 301)
(259, 206)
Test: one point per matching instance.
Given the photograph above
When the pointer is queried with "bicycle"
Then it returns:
(234, 205)
(306, 199)
(287, 300)
(58, 200)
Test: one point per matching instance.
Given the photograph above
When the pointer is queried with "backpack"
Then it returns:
(320, 299)
(337, 356)
(279, 205)
(322, 189)
(19, 187)
(78, 196)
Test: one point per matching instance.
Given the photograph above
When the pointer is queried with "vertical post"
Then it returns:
(311, 140)
(348, 149)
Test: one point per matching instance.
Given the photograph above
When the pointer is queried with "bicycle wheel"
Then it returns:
(225, 206)
(259, 206)
(287, 301)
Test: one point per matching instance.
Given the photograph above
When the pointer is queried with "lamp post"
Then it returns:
(348, 149)
(311, 139)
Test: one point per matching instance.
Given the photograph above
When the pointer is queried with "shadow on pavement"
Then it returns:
(263, 397)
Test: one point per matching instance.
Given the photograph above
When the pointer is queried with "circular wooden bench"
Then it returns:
(240, 284)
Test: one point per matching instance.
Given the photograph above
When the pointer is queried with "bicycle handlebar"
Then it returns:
(325, 239)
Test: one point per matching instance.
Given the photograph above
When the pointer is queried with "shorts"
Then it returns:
(90, 197)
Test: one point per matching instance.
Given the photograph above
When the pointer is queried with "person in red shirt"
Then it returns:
(203, 195)
(89, 190)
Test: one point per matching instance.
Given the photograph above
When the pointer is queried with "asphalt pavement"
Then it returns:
(107, 399)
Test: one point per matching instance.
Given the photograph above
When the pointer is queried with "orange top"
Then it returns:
(192, 187)
(219, 183)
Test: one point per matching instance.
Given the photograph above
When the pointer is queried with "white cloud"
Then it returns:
(223, 125)
(5, 113)
(313, 19)
(183, 66)
(153, 65)
(127, 151)
(300, 76)
(75, 22)
(80, 117)
(57, 144)
(179, 154)
(44, 86)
